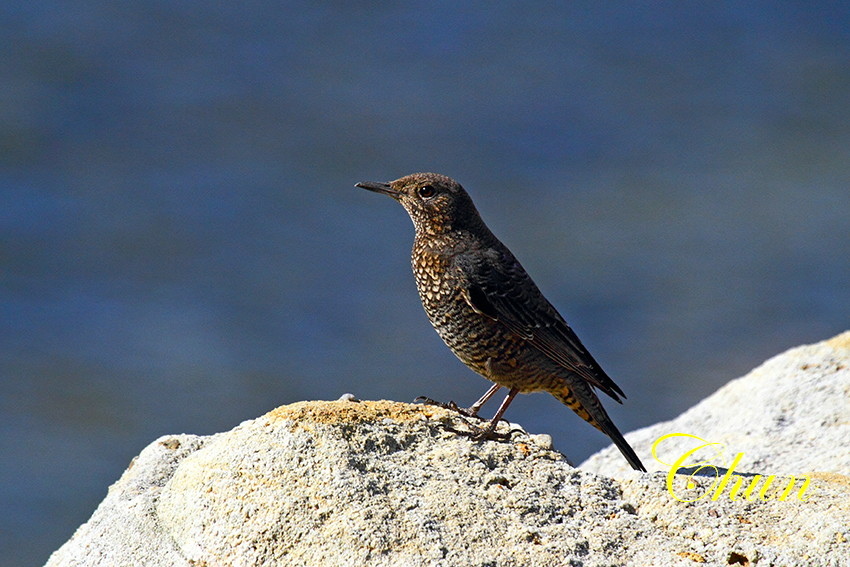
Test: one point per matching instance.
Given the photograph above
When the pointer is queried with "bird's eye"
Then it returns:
(427, 191)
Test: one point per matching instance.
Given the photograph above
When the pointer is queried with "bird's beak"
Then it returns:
(379, 188)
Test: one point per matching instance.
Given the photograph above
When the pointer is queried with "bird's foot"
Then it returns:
(488, 432)
(478, 433)
(475, 432)
(466, 412)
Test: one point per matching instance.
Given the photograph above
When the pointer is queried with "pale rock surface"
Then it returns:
(351, 483)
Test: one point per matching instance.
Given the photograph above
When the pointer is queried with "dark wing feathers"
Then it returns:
(503, 291)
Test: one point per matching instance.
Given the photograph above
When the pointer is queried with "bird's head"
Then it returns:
(436, 203)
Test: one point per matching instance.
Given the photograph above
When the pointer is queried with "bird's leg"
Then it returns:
(489, 432)
(474, 408)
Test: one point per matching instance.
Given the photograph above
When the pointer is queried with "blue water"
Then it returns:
(182, 246)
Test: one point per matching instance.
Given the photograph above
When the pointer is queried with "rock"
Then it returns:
(383, 483)
(125, 527)
(790, 415)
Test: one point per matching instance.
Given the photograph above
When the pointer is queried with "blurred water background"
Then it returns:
(182, 247)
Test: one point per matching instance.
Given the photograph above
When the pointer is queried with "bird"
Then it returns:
(490, 313)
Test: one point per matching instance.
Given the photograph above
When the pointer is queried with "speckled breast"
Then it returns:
(474, 338)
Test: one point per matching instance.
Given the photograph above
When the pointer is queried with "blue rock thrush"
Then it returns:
(490, 313)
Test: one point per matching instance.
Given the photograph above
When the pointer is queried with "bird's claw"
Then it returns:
(486, 433)
(451, 406)
(429, 402)
(475, 433)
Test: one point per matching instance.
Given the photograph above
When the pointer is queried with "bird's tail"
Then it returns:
(590, 409)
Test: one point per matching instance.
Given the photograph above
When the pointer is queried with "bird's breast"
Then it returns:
(433, 280)
(473, 337)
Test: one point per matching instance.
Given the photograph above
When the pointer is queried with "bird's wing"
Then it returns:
(499, 288)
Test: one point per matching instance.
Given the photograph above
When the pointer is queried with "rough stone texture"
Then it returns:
(383, 483)
(790, 415)
(125, 528)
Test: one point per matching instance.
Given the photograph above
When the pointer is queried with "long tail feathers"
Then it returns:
(594, 413)
(611, 431)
